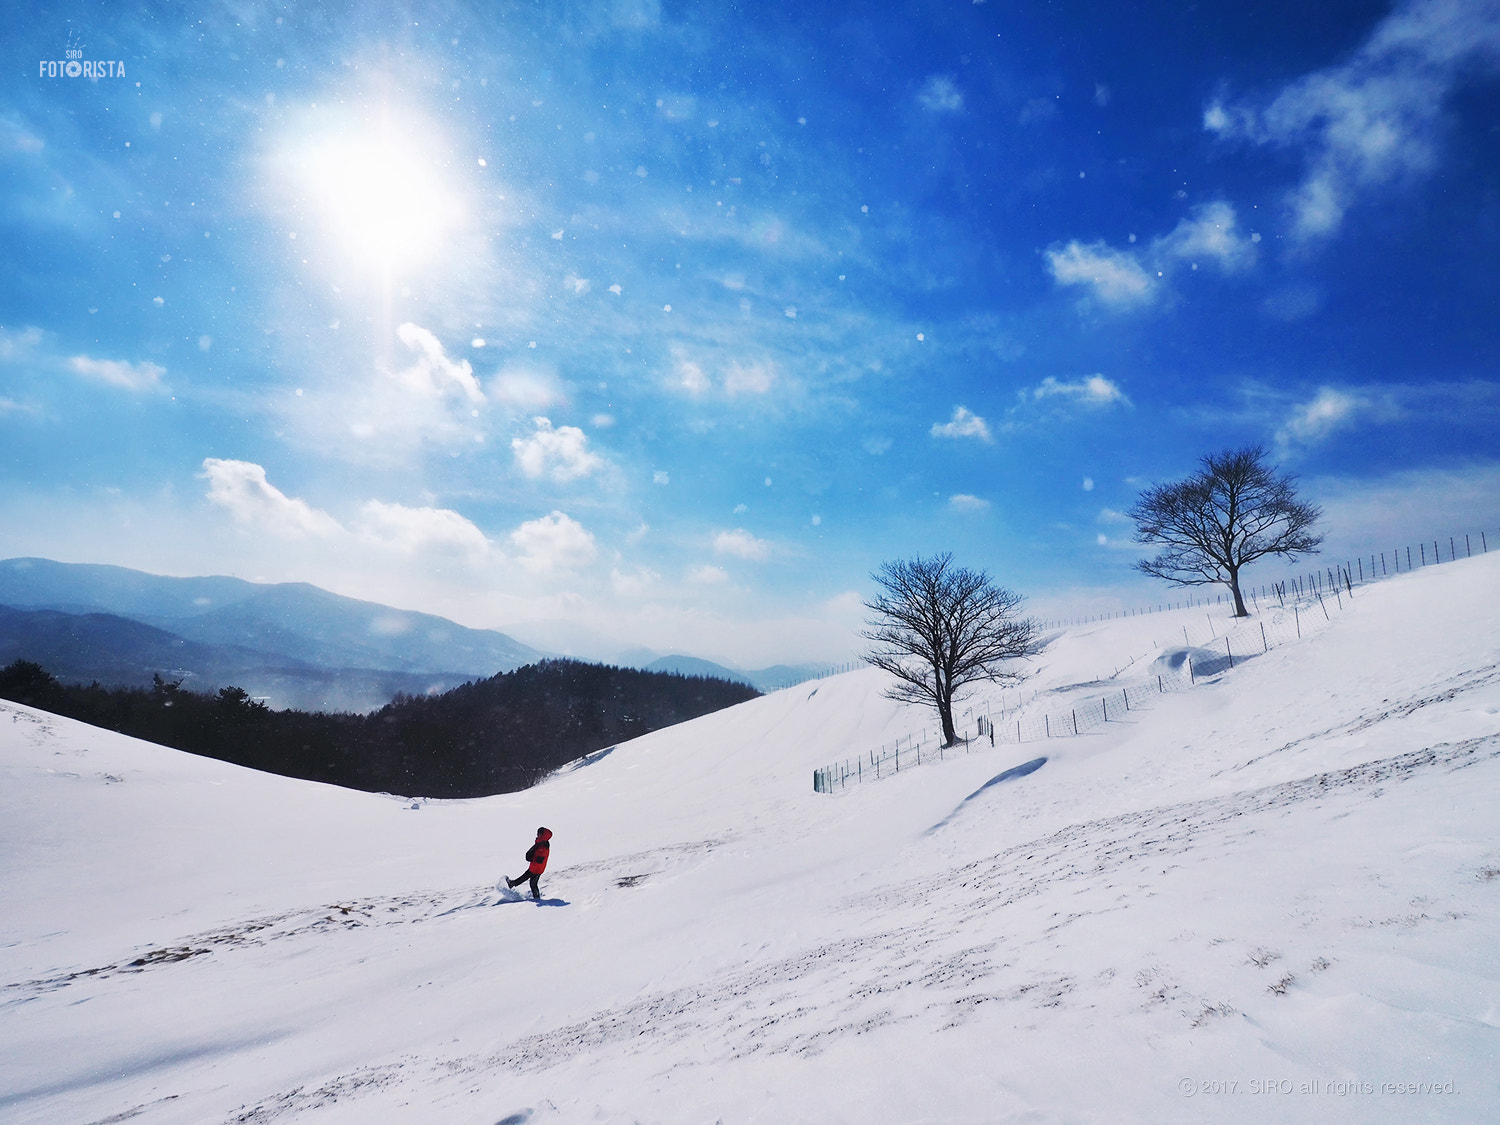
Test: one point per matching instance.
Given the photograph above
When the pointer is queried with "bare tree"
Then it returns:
(1212, 525)
(938, 628)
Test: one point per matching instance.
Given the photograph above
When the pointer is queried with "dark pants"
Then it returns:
(534, 876)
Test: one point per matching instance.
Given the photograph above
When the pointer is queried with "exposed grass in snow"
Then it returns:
(1271, 898)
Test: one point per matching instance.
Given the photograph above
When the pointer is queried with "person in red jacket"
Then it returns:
(536, 855)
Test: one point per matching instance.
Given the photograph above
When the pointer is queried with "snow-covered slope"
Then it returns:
(1274, 897)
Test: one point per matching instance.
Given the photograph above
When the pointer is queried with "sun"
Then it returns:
(380, 189)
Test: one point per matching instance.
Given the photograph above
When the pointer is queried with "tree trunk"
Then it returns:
(945, 715)
(1239, 601)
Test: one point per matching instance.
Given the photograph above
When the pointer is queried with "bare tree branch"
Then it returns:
(938, 628)
(1212, 525)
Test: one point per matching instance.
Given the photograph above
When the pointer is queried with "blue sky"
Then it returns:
(635, 324)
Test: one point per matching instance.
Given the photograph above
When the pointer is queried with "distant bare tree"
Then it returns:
(940, 627)
(1212, 525)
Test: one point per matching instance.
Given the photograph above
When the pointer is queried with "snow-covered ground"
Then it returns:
(1273, 897)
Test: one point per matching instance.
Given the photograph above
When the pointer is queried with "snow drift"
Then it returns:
(1273, 897)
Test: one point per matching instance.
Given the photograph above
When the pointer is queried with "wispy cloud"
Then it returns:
(1329, 411)
(241, 488)
(939, 95)
(1095, 390)
(1125, 279)
(741, 544)
(1210, 234)
(560, 453)
(965, 502)
(434, 373)
(963, 424)
(750, 378)
(1373, 120)
(15, 344)
(527, 388)
(1114, 276)
(144, 376)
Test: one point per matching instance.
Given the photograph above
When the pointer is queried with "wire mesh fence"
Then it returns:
(1207, 652)
(1357, 571)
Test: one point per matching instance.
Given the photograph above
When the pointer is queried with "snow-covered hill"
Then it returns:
(1273, 897)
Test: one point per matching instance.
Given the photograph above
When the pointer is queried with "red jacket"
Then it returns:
(537, 853)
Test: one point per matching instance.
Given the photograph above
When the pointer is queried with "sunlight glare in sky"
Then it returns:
(380, 190)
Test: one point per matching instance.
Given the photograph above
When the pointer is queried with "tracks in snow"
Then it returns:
(956, 959)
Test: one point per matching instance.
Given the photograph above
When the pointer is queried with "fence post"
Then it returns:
(1297, 619)
(1075, 719)
(1018, 732)
(1192, 679)
(1047, 723)
(1105, 701)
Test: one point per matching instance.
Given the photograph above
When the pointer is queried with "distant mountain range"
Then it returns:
(290, 643)
(762, 679)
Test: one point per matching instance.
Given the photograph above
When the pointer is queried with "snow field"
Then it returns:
(1248, 901)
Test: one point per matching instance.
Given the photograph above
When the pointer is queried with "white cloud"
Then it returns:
(707, 575)
(1095, 390)
(741, 544)
(963, 424)
(1116, 278)
(964, 502)
(527, 388)
(939, 95)
(661, 476)
(13, 344)
(561, 453)
(1088, 484)
(434, 373)
(241, 488)
(643, 583)
(1210, 234)
(749, 378)
(417, 529)
(145, 376)
(1372, 120)
(553, 542)
(1312, 422)
(690, 377)
(635, 14)
(1124, 279)
(1361, 514)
